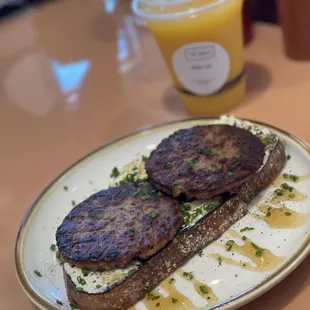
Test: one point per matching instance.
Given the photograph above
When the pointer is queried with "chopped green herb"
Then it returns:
(153, 214)
(98, 286)
(79, 289)
(246, 229)
(244, 264)
(269, 140)
(220, 260)
(152, 296)
(73, 203)
(294, 178)
(157, 304)
(235, 164)
(81, 280)
(244, 238)
(229, 244)
(208, 151)
(249, 127)
(188, 275)
(287, 187)
(288, 157)
(159, 194)
(66, 188)
(112, 218)
(53, 247)
(59, 258)
(203, 289)
(144, 158)
(145, 196)
(268, 213)
(115, 173)
(167, 165)
(287, 213)
(174, 300)
(132, 231)
(171, 280)
(37, 273)
(93, 213)
(259, 250)
(190, 163)
(279, 192)
(176, 182)
(85, 272)
(73, 306)
(285, 175)
(200, 253)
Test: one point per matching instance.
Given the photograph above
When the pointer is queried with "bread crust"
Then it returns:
(185, 245)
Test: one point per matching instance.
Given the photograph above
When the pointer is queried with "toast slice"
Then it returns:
(185, 245)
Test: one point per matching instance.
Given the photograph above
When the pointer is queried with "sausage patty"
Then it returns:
(205, 161)
(115, 226)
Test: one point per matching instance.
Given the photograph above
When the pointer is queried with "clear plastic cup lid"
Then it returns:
(169, 9)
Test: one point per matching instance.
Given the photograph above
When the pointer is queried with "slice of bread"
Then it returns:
(185, 245)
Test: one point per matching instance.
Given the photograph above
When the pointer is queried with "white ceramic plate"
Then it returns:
(93, 173)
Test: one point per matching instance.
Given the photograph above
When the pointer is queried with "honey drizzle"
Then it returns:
(280, 179)
(282, 217)
(267, 261)
(176, 300)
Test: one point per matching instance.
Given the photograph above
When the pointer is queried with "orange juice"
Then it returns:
(201, 42)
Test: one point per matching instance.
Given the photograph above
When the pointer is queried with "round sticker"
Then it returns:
(201, 67)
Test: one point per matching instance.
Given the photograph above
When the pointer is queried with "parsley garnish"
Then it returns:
(203, 289)
(167, 165)
(190, 163)
(229, 244)
(115, 173)
(188, 275)
(259, 251)
(208, 150)
(37, 273)
(176, 182)
(153, 214)
(246, 229)
(85, 272)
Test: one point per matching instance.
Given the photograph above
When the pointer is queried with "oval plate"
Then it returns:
(92, 173)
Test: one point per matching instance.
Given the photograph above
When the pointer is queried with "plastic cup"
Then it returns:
(202, 44)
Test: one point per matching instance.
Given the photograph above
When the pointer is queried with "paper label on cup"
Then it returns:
(201, 67)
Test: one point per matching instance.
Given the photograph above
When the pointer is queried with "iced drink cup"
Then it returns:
(202, 44)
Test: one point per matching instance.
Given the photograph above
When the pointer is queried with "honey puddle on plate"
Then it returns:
(293, 195)
(175, 300)
(263, 259)
(281, 179)
(282, 217)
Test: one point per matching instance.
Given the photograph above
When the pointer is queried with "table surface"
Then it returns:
(75, 74)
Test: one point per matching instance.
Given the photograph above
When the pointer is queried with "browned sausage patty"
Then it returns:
(115, 226)
(205, 161)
